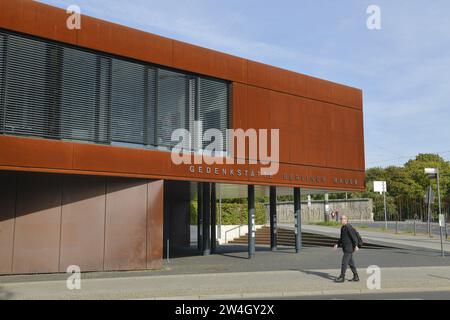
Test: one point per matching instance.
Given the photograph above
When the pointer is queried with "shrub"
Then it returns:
(233, 213)
(328, 223)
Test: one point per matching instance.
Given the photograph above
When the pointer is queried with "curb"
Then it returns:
(278, 295)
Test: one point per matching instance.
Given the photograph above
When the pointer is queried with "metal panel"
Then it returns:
(83, 223)
(36, 18)
(45, 154)
(38, 224)
(209, 62)
(312, 130)
(7, 212)
(124, 41)
(155, 202)
(239, 116)
(288, 81)
(258, 74)
(126, 224)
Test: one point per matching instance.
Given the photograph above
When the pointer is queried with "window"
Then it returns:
(78, 96)
(128, 102)
(103, 99)
(173, 106)
(57, 91)
(213, 106)
(2, 80)
(27, 104)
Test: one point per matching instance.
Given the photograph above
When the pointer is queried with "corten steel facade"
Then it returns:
(101, 206)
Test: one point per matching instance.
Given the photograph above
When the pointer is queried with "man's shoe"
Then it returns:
(340, 279)
(355, 278)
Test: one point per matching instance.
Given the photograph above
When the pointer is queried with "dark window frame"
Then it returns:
(54, 68)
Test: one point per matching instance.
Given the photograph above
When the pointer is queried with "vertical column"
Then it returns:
(273, 218)
(326, 208)
(200, 216)
(213, 218)
(298, 220)
(206, 250)
(251, 221)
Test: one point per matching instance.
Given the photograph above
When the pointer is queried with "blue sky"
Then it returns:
(403, 69)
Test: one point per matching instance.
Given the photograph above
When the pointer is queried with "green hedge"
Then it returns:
(233, 213)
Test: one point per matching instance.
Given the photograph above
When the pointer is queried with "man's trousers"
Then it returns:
(347, 260)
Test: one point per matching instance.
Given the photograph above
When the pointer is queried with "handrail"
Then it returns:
(237, 227)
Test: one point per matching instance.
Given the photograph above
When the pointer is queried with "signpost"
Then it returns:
(380, 186)
(434, 173)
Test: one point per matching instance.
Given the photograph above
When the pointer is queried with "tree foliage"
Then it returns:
(406, 182)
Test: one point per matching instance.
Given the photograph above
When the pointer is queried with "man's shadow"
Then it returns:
(5, 295)
(320, 274)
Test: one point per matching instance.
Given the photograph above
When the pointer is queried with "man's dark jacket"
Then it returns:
(348, 240)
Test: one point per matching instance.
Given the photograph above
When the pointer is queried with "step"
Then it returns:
(293, 237)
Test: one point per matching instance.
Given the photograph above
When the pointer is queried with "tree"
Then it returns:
(415, 169)
(407, 184)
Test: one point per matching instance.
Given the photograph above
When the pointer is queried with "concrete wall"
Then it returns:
(49, 222)
(355, 209)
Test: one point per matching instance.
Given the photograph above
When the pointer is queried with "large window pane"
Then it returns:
(2, 80)
(78, 96)
(151, 106)
(103, 99)
(213, 106)
(128, 102)
(173, 107)
(27, 101)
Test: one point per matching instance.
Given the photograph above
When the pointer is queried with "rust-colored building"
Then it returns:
(86, 176)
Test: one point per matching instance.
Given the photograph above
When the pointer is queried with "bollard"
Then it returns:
(396, 226)
(168, 250)
(414, 227)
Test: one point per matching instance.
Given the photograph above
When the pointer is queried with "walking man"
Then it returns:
(349, 243)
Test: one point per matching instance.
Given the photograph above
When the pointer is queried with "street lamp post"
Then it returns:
(385, 211)
(429, 199)
(434, 172)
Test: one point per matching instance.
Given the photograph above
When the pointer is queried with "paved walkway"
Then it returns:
(384, 238)
(273, 284)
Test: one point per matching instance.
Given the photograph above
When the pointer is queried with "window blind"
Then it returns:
(56, 91)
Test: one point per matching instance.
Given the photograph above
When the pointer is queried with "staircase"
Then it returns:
(286, 237)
